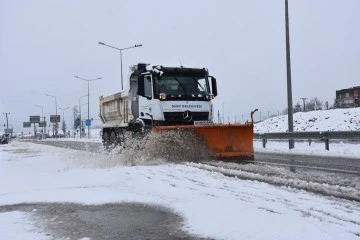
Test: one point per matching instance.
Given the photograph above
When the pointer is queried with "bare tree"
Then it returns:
(297, 108)
(314, 102)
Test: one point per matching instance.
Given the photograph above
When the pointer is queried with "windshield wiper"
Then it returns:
(180, 84)
(198, 83)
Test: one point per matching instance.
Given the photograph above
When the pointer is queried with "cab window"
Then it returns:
(147, 86)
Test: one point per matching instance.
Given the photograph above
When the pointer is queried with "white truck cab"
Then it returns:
(160, 96)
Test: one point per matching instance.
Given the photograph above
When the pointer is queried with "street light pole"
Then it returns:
(121, 67)
(63, 109)
(56, 121)
(80, 113)
(121, 49)
(88, 81)
(288, 67)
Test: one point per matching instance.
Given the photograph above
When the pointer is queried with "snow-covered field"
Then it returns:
(324, 120)
(211, 204)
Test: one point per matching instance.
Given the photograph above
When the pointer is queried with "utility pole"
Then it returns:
(303, 98)
(288, 68)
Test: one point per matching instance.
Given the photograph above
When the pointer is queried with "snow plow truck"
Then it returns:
(171, 99)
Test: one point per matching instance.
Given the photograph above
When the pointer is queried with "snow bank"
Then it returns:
(325, 120)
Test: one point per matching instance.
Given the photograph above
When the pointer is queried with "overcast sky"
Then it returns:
(44, 44)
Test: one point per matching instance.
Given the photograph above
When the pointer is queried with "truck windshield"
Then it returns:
(182, 86)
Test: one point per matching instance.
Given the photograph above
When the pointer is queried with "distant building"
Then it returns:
(347, 98)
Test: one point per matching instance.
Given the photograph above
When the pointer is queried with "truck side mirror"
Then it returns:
(141, 85)
(213, 86)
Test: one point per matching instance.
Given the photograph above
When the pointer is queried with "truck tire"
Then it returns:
(106, 139)
(113, 139)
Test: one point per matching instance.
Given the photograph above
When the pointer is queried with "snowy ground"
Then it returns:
(211, 204)
(326, 120)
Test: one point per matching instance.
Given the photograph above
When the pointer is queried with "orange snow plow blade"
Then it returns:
(224, 141)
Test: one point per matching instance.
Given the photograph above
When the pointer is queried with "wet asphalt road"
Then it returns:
(104, 222)
(336, 165)
(82, 146)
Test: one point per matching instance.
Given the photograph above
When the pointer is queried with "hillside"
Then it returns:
(326, 120)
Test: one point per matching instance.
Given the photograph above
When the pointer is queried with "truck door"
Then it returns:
(145, 91)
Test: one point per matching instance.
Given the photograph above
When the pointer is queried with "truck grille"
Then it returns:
(178, 117)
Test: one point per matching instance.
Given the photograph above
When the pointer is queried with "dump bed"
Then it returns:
(115, 110)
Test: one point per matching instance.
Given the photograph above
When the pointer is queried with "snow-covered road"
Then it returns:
(211, 204)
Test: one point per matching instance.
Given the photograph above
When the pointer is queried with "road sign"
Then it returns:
(26, 124)
(34, 119)
(42, 124)
(54, 118)
(88, 122)
(9, 131)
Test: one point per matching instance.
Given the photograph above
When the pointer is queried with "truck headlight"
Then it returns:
(162, 96)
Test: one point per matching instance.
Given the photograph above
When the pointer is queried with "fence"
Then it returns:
(322, 136)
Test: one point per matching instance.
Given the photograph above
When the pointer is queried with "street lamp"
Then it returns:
(88, 81)
(63, 109)
(288, 71)
(121, 49)
(81, 121)
(80, 112)
(56, 120)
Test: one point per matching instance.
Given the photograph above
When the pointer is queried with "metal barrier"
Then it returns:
(322, 136)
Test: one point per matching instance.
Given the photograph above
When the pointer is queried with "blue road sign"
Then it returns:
(88, 122)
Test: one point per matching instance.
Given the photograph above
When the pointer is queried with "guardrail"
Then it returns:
(322, 136)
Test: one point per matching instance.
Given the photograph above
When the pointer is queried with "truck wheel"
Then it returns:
(105, 139)
(113, 139)
(121, 139)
